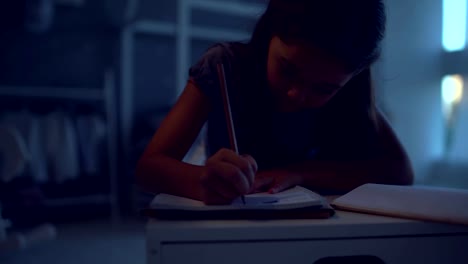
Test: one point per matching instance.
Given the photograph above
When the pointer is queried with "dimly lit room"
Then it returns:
(227, 131)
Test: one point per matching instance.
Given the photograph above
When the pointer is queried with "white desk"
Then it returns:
(305, 241)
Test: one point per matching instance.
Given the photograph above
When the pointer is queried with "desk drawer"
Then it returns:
(398, 250)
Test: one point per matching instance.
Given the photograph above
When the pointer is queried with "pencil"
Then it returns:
(227, 112)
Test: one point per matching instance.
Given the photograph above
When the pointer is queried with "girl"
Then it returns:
(302, 104)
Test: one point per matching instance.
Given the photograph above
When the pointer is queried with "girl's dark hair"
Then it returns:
(350, 30)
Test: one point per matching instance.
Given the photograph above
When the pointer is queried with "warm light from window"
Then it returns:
(454, 25)
(452, 89)
(452, 94)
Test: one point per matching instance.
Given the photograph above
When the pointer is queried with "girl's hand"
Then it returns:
(275, 181)
(227, 176)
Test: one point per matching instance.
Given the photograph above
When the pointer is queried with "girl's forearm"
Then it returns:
(158, 173)
(336, 176)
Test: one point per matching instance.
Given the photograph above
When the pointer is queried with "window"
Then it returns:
(454, 31)
(454, 25)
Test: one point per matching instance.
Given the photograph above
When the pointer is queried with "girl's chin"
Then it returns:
(289, 105)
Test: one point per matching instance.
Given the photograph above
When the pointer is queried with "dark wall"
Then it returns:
(76, 49)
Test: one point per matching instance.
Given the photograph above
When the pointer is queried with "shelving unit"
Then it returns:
(154, 28)
(184, 32)
(71, 201)
(79, 94)
(202, 33)
(106, 95)
(237, 8)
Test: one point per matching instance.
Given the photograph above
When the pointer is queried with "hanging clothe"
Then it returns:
(91, 130)
(29, 128)
(61, 146)
(13, 153)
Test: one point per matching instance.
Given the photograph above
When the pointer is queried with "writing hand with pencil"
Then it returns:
(227, 176)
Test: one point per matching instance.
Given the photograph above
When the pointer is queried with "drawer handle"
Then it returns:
(350, 259)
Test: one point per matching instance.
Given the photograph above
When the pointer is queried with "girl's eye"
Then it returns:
(287, 70)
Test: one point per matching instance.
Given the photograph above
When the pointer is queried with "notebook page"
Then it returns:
(293, 198)
(167, 199)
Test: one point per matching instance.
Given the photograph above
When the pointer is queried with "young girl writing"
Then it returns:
(302, 105)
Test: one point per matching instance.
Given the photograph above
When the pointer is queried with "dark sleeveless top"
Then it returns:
(273, 138)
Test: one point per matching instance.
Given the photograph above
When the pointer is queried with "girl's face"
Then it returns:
(302, 76)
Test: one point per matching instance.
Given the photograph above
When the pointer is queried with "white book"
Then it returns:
(414, 202)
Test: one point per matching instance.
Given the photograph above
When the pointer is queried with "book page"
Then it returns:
(414, 202)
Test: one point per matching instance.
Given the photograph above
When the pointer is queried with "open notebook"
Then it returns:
(297, 202)
(414, 202)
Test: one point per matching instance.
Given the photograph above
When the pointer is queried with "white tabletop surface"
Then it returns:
(342, 225)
